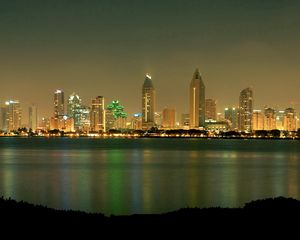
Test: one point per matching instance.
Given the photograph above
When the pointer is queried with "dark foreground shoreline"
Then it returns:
(263, 211)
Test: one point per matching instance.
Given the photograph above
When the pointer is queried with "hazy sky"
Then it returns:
(104, 47)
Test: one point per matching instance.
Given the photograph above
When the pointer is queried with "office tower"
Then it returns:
(59, 104)
(33, 119)
(158, 118)
(85, 122)
(97, 114)
(168, 120)
(245, 110)
(148, 103)
(257, 120)
(136, 121)
(280, 120)
(13, 115)
(185, 120)
(231, 116)
(3, 122)
(210, 109)
(75, 109)
(270, 119)
(197, 101)
(289, 122)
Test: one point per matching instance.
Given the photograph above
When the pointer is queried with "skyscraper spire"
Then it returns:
(197, 101)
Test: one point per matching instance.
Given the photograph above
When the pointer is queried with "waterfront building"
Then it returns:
(148, 103)
(32, 118)
(289, 122)
(97, 115)
(245, 110)
(269, 119)
(169, 116)
(210, 109)
(231, 116)
(13, 115)
(257, 120)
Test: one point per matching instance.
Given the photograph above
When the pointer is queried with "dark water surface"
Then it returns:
(125, 176)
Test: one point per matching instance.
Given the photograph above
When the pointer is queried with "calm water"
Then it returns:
(125, 176)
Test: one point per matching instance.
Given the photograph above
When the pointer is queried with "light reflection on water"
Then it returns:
(125, 176)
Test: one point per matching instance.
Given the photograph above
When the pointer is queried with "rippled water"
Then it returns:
(125, 176)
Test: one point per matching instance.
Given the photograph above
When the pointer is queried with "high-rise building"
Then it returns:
(85, 118)
(44, 124)
(280, 120)
(270, 119)
(197, 101)
(148, 103)
(3, 122)
(185, 120)
(289, 122)
(231, 116)
(158, 118)
(33, 118)
(97, 114)
(13, 115)
(59, 104)
(257, 120)
(75, 109)
(210, 109)
(245, 110)
(168, 120)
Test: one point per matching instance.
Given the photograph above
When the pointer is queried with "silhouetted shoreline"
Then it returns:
(263, 211)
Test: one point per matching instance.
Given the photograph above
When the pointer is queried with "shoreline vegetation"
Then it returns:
(262, 210)
(157, 133)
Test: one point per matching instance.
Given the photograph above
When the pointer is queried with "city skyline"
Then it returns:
(98, 47)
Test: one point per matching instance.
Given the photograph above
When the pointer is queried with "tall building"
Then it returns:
(197, 101)
(185, 120)
(168, 118)
(13, 115)
(280, 120)
(97, 114)
(257, 120)
(59, 104)
(3, 122)
(231, 116)
(245, 110)
(210, 109)
(158, 118)
(33, 119)
(75, 109)
(148, 103)
(289, 122)
(270, 119)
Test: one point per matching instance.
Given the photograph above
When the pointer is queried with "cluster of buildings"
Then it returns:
(73, 116)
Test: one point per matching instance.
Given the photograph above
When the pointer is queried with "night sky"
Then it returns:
(105, 47)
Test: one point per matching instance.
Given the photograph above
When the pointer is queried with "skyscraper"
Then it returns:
(33, 119)
(168, 120)
(148, 103)
(197, 101)
(270, 119)
(3, 122)
(74, 109)
(257, 120)
(210, 109)
(13, 115)
(59, 104)
(289, 123)
(245, 109)
(97, 114)
(231, 115)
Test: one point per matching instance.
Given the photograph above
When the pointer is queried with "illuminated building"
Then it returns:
(84, 118)
(210, 109)
(59, 104)
(13, 115)
(3, 122)
(270, 119)
(231, 116)
(280, 120)
(257, 120)
(245, 110)
(148, 103)
(75, 109)
(289, 122)
(197, 101)
(33, 119)
(136, 121)
(185, 120)
(216, 126)
(158, 119)
(97, 115)
(168, 120)
(44, 124)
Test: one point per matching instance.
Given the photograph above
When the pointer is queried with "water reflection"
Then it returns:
(147, 180)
